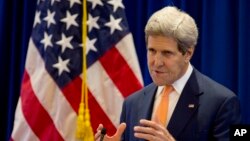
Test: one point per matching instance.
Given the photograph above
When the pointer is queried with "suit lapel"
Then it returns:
(146, 102)
(186, 106)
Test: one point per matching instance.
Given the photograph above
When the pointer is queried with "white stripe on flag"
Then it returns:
(105, 92)
(127, 49)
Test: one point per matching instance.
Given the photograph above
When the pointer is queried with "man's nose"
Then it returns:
(158, 60)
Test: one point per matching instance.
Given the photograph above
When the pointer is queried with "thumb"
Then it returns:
(118, 134)
(120, 129)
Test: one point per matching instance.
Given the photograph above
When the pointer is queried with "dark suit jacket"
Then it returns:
(215, 109)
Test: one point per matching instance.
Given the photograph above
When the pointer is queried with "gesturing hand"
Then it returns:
(115, 137)
(152, 131)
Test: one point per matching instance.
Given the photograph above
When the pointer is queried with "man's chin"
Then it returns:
(161, 83)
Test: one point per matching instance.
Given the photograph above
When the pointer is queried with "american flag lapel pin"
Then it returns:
(190, 105)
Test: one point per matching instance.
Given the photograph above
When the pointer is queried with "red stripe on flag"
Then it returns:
(120, 72)
(98, 116)
(36, 116)
(72, 92)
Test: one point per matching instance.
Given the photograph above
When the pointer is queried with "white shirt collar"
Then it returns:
(180, 83)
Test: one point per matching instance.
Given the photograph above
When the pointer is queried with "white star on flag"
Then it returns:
(65, 42)
(70, 20)
(72, 2)
(90, 45)
(116, 4)
(37, 18)
(95, 2)
(92, 22)
(46, 40)
(114, 24)
(61, 65)
(50, 18)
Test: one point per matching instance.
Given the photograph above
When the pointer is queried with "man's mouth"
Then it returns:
(158, 72)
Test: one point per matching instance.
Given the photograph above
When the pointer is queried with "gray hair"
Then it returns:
(171, 22)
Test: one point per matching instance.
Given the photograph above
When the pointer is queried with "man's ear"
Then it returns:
(188, 55)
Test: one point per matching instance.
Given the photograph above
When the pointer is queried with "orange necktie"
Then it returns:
(162, 109)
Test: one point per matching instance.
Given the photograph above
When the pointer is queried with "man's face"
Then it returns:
(166, 63)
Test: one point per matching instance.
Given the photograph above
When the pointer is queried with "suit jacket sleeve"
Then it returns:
(228, 114)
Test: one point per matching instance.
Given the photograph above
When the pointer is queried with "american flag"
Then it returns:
(51, 87)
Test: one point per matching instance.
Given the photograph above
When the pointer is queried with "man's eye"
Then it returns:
(167, 53)
(151, 50)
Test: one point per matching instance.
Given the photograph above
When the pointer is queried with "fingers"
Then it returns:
(156, 124)
(144, 136)
(145, 130)
(151, 130)
(117, 135)
(120, 129)
(99, 127)
(98, 132)
(146, 133)
(151, 124)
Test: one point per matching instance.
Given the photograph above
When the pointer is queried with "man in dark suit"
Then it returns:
(197, 107)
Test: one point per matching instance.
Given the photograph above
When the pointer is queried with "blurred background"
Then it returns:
(222, 52)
